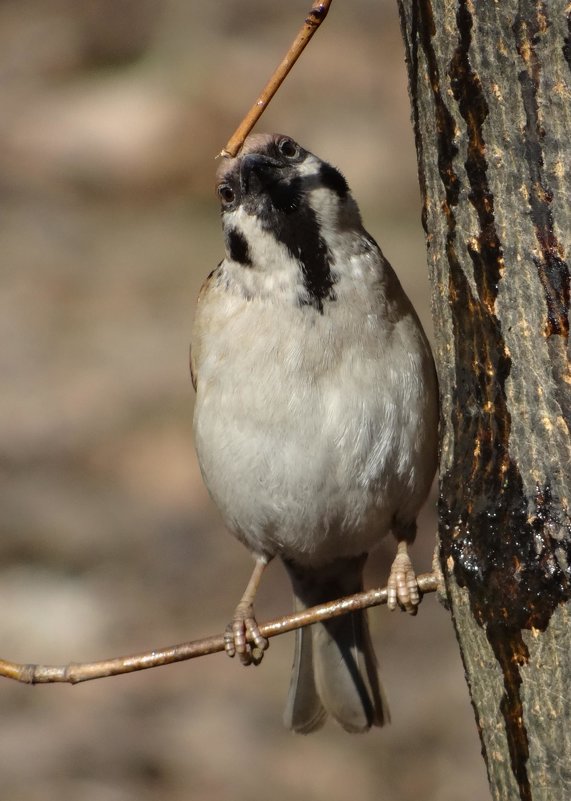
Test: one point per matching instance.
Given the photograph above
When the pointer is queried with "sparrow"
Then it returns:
(316, 413)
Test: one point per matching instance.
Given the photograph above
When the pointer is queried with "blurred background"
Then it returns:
(113, 111)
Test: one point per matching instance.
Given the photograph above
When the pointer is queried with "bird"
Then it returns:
(316, 414)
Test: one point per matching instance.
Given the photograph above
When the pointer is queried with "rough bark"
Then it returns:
(490, 86)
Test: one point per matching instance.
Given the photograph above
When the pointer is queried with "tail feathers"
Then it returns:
(346, 674)
(304, 711)
(335, 670)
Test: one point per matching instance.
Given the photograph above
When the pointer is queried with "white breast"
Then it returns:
(309, 427)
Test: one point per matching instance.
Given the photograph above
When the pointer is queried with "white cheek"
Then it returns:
(310, 166)
(325, 204)
(273, 270)
(262, 245)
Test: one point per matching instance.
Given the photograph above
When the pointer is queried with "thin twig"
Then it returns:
(316, 15)
(73, 673)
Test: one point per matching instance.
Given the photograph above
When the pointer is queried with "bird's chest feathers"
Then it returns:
(293, 412)
(284, 385)
(267, 361)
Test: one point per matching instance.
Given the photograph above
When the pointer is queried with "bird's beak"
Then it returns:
(258, 172)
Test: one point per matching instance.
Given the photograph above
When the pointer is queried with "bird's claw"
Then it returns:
(402, 585)
(243, 637)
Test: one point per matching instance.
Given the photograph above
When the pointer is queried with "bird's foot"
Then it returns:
(402, 585)
(243, 636)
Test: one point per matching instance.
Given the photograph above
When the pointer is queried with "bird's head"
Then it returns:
(280, 203)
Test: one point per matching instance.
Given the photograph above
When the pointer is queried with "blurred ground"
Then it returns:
(112, 113)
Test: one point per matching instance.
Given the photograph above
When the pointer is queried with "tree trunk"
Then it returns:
(490, 85)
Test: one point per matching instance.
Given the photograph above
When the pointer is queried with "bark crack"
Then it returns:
(551, 267)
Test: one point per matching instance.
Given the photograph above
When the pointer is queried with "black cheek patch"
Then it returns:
(237, 247)
(333, 180)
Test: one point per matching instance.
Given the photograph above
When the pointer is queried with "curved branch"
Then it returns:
(73, 673)
(316, 15)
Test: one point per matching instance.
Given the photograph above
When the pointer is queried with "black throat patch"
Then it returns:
(293, 222)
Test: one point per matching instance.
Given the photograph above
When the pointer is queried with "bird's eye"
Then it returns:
(226, 193)
(288, 148)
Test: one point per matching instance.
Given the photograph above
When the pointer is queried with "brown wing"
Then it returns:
(203, 290)
(192, 368)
